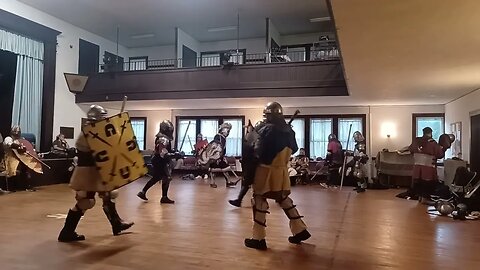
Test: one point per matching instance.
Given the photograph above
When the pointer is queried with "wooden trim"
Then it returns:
(144, 130)
(48, 36)
(414, 121)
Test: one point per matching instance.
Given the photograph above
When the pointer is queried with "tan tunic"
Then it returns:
(273, 181)
(86, 178)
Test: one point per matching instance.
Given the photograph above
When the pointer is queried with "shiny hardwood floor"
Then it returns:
(373, 230)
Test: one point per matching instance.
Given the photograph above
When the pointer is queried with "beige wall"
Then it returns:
(398, 120)
(459, 111)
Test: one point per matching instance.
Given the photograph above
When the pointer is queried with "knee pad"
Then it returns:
(84, 201)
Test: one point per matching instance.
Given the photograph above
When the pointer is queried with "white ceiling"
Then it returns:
(409, 51)
(160, 17)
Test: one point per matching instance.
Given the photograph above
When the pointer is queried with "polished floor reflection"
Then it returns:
(373, 230)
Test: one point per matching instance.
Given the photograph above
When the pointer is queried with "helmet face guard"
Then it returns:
(96, 113)
(358, 137)
(224, 129)
(273, 112)
(16, 132)
(166, 128)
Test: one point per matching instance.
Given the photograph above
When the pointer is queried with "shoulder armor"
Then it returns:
(163, 140)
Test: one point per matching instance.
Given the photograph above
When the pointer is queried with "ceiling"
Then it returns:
(160, 17)
(409, 51)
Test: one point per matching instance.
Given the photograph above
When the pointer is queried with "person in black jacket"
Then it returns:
(161, 161)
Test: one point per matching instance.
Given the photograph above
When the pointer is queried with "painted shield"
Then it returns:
(115, 150)
(210, 153)
(28, 157)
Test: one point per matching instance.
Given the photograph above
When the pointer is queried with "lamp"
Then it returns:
(76, 83)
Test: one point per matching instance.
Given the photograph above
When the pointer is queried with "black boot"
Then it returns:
(165, 199)
(68, 234)
(256, 244)
(118, 225)
(142, 195)
(238, 201)
(299, 237)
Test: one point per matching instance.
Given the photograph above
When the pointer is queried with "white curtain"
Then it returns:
(138, 126)
(181, 129)
(437, 124)
(343, 127)
(298, 125)
(234, 140)
(209, 128)
(27, 102)
(319, 131)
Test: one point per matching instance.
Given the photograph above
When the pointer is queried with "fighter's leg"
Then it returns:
(108, 199)
(143, 193)
(85, 201)
(260, 211)
(165, 186)
(297, 226)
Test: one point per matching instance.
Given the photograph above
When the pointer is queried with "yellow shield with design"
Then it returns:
(115, 150)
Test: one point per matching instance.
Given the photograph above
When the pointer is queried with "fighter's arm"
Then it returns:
(10, 143)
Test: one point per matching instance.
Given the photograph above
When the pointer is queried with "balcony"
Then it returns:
(229, 75)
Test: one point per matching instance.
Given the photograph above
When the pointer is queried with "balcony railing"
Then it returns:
(225, 59)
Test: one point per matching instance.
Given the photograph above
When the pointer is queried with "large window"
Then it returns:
(186, 128)
(344, 127)
(234, 140)
(208, 127)
(435, 121)
(139, 125)
(319, 131)
(298, 125)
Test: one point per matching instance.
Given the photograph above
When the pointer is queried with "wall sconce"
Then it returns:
(388, 130)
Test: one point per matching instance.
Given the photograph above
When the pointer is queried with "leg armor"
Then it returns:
(85, 201)
(118, 225)
(260, 211)
(296, 223)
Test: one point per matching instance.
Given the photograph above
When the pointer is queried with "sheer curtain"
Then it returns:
(209, 128)
(319, 131)
(138, 126)
(181, 129)
(298, 125)
(27, 102)
(234, 140)
(343, 127)
(437, 124)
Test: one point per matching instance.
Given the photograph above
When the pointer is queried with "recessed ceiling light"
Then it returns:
(220, 29)
(142, 36)
(320, 19)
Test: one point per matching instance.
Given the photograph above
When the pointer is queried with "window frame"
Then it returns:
(144, 119)
(335, 118)
(198, 119)
(419, 115)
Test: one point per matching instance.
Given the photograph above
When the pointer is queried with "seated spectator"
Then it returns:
(60, 146)
(300, 164)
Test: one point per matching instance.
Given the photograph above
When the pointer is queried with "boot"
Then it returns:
(68, 234)
(142, 195)
(256, 244)
(237, 202)
(118, 225)
(165, 199)
(299, 237)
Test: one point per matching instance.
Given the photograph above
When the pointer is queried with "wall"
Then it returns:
(185, 39)
(154, 118)
(153, 53)
(459, 111)
(252, 45)
(308, 38)
(398, 117)
(66, 112)
(273, 34)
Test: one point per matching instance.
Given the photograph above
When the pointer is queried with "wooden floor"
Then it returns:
(351, 231)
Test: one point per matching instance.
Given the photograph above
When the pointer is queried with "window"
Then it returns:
(234, 140)
(139, 125)
(319, 131)
(343, 128)
(298, 125)
(435, 121)
(186, 132)
(209, 128)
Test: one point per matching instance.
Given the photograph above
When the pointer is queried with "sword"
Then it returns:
(190, 141)
(345, 158)
(38, 160)
(293, 117)
(124, 102)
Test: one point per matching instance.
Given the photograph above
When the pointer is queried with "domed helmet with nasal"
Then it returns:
(273, 112)
(224, 129)
(15, 132)
(96, 113)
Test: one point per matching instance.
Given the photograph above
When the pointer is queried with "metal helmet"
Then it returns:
(358, 137)
(166, 128)
(427, 132)
(16, 132)
(273, 111)
(445, 208)
(332, 137)
(96, 113)
(224, 129)
(200, 136)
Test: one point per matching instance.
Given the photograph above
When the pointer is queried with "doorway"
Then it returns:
(8, 70)
(475, 143)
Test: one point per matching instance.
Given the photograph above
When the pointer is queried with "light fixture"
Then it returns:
(388, 130)
(142, 36)
(320, 19)
(76, 83)
(220, 29)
